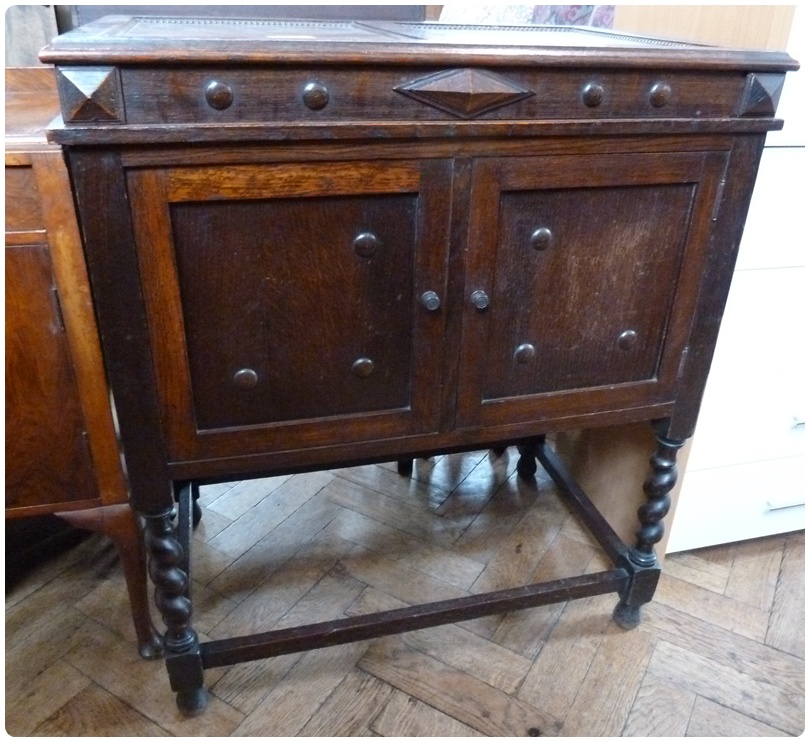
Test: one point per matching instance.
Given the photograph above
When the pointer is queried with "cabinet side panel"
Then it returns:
(717, 274)
(103, 209)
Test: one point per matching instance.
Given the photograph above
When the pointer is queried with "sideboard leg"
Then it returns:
(196, 510)
(527, 463)
(182, 647)
(405, 467)
(642, 558)
(119, 523)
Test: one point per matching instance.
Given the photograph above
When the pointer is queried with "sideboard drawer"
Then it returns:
(735, 503)
(217, 94)
(774, 408)
(23, 210)
(755, 335)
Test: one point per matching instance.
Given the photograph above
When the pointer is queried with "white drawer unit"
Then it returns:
(746, 475)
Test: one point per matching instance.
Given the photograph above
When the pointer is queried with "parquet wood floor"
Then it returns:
(720, 651)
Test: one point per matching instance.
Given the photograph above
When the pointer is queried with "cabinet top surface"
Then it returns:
(149, 40)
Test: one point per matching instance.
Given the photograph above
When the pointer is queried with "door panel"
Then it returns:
(294, 293)
(581, 259)
(296, 306)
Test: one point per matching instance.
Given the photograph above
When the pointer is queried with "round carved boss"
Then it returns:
(245, 378)
(660, 95)
(628, 339)
(218, 95)
(542, 238)
(363, 367)
(524, 353)
(315, 96)
(593, 94)
(366, 244)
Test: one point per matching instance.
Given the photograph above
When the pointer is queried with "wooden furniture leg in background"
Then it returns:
(120, 525)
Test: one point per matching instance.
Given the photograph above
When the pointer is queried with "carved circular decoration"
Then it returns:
(430, 300)
(245, 378)
(315, 96)
(542, 238)
(479, 299)
(366, 244)
(524, 353)
(218, 95)
(363, 367)
(628, 339)
(660, 94)
(593, 94)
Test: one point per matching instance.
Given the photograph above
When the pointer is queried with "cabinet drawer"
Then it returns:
(765, 323)
(740, 502)
(23, 210)
(217, 94)
(771, 404)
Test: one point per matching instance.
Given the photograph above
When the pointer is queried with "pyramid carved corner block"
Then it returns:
(90, 95)
(761, 94)
(466, 93)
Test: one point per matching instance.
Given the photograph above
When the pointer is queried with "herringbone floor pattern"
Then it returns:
(720, 651)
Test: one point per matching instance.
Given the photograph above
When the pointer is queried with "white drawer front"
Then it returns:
(775, 235)
(718, 506)
(766, 325)
(750, 417)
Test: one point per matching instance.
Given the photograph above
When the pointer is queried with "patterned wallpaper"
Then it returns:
(600, 16)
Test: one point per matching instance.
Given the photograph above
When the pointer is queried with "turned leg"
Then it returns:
(642, 559)
(119, 524)
(183, 660)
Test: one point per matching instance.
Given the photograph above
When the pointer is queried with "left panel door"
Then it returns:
(285, 301)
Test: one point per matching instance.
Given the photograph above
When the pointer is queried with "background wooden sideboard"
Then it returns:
(61, 450)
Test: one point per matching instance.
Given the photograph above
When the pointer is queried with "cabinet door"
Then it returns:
(284, 301)
(583, 274)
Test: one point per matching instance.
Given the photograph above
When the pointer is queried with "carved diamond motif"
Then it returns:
(465, 93)
(90, 94)
(761, 94)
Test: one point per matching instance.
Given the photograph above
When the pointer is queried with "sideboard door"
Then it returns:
(289, 305)
(581, 281)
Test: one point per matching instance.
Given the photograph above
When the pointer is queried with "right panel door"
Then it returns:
(583, 273)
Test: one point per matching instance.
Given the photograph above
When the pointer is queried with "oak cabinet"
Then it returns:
(314, 245)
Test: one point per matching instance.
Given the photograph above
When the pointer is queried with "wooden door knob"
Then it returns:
(430, 300)
(480, 299)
